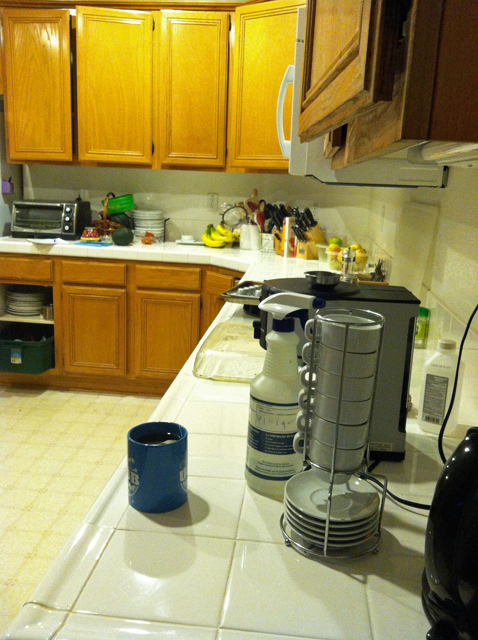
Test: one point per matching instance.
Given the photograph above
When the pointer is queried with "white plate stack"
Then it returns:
(25, 301)
(354, 515)
(152, 221)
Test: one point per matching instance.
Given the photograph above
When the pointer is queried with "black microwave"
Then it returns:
(42, 219)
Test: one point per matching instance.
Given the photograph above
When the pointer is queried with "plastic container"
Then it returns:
(438, 379)
(335, 264)
(421, 329)
(22, 356)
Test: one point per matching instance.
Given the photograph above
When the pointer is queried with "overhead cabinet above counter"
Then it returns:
(380, 76)
(159, 89)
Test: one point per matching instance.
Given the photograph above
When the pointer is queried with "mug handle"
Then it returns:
(298, 443)
(309, 330)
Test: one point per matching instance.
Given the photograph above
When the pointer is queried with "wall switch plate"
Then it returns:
(212, 201)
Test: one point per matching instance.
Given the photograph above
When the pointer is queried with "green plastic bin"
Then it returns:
(19, 356)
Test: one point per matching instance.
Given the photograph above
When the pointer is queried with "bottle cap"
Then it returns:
(446, 345)
(423, 312)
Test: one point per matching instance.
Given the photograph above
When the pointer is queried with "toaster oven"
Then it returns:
(42, 219)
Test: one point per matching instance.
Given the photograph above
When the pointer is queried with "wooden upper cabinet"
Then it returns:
(264, 47)
(349, 61)
(114, 58)
(38, 86)
(192, 60)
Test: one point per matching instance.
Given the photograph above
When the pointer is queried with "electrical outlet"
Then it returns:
(382, 219)
(212, 201)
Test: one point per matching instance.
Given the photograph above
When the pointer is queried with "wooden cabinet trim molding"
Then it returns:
(139, 5)
(99, 272)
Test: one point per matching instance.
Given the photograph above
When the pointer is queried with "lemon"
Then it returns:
(333, 248)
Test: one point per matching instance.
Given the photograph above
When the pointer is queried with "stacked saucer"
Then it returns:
(152, 221)
(354, 513)
(22, 300)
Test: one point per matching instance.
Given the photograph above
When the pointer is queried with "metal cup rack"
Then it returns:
(291, 538)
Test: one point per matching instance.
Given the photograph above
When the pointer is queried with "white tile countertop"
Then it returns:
(217, 568)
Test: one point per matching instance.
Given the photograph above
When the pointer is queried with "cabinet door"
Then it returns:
(166, 332)
(192, 90)
(212, 303)
(38, 87)
(94, 330)
(114, 51)
(264, 47)
(349, 58)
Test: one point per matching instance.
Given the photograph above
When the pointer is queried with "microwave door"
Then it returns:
(307, 159)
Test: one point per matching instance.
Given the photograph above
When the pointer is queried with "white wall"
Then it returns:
(182, 195)
(451, 270)
(7, 171)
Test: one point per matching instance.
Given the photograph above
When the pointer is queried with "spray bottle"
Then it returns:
(271, 459)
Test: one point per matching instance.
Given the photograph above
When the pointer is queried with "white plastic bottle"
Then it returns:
(438, 379)
(271, 459)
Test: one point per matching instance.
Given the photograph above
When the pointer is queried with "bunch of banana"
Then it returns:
(219, 237)
(231, 236)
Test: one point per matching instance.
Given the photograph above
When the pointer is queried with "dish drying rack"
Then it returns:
(291, 538)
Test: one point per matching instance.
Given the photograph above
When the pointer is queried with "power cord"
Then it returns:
(410, 503)
(453, 393)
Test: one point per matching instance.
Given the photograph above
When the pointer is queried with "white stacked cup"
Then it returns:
(338, 407)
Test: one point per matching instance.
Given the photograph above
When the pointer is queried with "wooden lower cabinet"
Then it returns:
(121, 326)
(94, 330)
(166, 332)
(214, 283)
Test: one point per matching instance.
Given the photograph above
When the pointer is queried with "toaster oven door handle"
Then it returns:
(38, 205)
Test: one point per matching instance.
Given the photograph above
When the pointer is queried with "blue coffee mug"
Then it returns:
(157, 466)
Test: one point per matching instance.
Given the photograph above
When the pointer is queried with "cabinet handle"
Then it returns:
(286, 81)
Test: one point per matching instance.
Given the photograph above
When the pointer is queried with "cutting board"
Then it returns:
(412, 246)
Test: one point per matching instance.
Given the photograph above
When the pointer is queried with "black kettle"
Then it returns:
(450, 578)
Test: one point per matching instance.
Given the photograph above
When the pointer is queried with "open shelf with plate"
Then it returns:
(26, 346)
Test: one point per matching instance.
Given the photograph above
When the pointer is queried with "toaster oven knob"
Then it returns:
(66, 227)
(67, 218)
(67, 209)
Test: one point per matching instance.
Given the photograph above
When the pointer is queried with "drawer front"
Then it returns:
(93, 272)
(168, 278)
(26, 269)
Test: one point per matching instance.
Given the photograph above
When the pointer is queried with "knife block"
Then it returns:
(306, 250)
(315, 235)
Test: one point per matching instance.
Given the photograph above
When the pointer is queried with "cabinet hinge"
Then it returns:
(154, 25)
(152, 148)
(200, 304)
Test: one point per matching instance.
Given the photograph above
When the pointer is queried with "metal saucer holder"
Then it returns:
(331, 508)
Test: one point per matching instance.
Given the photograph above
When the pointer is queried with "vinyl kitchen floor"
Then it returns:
(57, 451)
